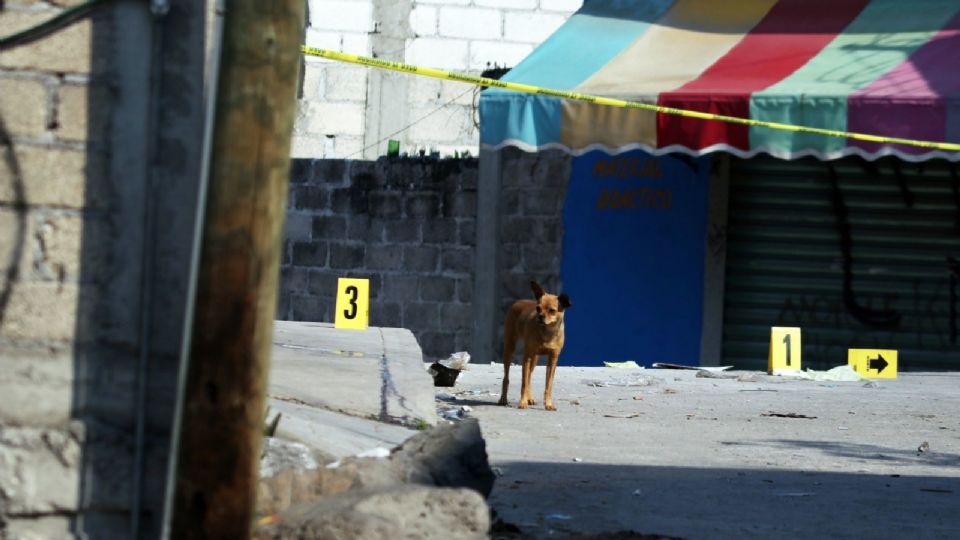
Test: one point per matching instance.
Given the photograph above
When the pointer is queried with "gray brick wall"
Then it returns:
(408, 225)
(533, 190)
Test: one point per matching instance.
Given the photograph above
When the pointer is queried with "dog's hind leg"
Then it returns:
(509, 343)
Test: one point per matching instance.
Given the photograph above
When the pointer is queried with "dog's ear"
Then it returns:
(564, 301)
(537, 290)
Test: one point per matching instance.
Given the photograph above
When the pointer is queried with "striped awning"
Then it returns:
(880, 67)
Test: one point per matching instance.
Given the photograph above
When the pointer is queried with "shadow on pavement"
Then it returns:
(559, 500)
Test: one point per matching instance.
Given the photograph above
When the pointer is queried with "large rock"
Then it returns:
(452, 455)
(400, 512)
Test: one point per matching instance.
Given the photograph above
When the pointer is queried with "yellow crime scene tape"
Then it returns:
(600, 100)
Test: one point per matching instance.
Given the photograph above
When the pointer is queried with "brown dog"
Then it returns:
(540, 325)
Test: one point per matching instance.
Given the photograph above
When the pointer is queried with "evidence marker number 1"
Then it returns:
(785, 350)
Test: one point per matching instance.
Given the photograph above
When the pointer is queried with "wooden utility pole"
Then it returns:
(223, 405)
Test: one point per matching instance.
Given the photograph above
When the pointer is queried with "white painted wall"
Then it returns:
(337, 114)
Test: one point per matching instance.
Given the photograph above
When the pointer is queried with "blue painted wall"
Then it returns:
(633, 252)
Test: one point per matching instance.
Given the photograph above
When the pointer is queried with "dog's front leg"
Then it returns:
(525, 387)
(552, 359)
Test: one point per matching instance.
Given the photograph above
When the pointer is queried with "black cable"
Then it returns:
(65, 18)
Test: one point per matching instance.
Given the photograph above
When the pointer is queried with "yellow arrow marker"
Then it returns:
(872, 363)
(784, 350)
(353, 304)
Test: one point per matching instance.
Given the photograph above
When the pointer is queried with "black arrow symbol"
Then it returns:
(878, 364)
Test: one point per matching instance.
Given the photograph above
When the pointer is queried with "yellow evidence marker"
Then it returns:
(873, 363)
(784, 350)
(353, 304)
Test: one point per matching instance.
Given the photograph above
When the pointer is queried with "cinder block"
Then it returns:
(37, 387)
(294, 279)
(540, 258)
(485, 54)
(384, 257)
(401, 288)
(470, 23)
(511, 4)
(335, 118)
(363, 228)
(420, 258)
(437, 344)
(338, 15)
(330, 227)
(329, 172)
(309, 308)
(465, 290)
(310, 254)
(542, 202)
(346, 147)
(17, 233)
(297, 227)
(457, 260)
(308, 197)
(323, 283)
(385, 205)
(564, 6)
(45, 311)
(438, 53)
(421, 316)
(33, 527)
(422, 205)
(320, 39)
(452, 124)
(347, 257)
(301, 170)
(355, 43)
(307, 146)
(423, 20)
(57, 245)
(346, 83)
(403, 231)
(23, 106)
(467, 232)
(82, 113)
(55, 177)
(439, 231)
(423, 90)
(457, 93)
(457, 316)
(67, 50)
(314, 81)
(463, 204)
(530, 27)
(39, 470)
(517, 230)
(386, 315)
(437, 288)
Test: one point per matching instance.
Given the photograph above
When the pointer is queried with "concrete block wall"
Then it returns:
(348, 112)
(407, 225)
(532, 196)
(53, 184)
(74, 326)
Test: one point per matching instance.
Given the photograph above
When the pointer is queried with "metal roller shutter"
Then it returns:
(797, 232)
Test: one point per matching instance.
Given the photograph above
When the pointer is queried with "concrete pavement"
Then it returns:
(346, 391)
(668, 452)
